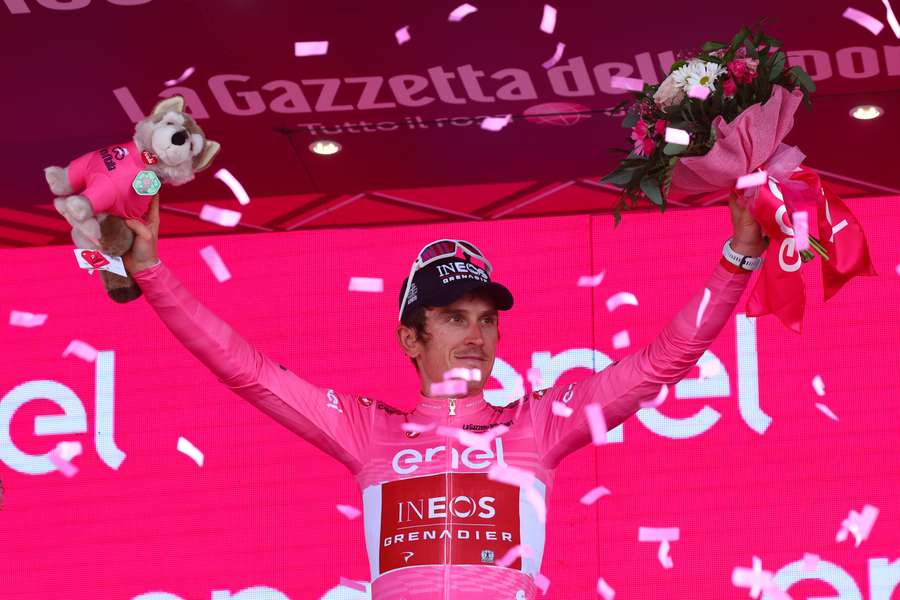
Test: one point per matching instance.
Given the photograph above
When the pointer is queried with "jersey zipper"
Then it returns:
(448, 487)
(452, 407)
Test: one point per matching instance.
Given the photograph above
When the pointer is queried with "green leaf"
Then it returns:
(777, 66)
(751, 48)
(713, 46)
(740, 37)
(677, 65)
(620, 177)
(802, 78)
(650, 187)
(674, 149)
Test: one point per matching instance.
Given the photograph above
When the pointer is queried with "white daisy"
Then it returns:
(697, 72)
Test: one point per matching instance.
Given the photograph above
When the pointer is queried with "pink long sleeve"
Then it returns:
(336, 423)
(621, 387)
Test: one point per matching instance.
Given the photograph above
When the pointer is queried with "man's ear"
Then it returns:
(408, 340)
(175, 103)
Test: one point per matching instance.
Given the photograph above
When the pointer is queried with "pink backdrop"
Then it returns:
(760, 471)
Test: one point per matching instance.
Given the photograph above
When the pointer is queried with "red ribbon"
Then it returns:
(780, 290)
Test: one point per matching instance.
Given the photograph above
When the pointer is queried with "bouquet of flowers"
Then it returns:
(715, 125)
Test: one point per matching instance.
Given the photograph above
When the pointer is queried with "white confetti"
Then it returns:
(818, 385)
(215, 263)
(678, 136)
(621, 340)
(560, 409)
(66, 468)
(659, 534)
(703, 304)
(865, 20)
(700, 92)
(593, 495)
(596, 423)
(595, 280)
(560, 48)
(18, 318)
(828, 412)
(366, 284)
(310, 48)
(604, 590)
(810, 562)
(663, 555)
(460, 12)
(82, 350)
(752, 180)
(69, 450)
(617, 300)
(892, 18)
(187, 448)
(495, 123)
(220, 216)
(402, 35)
(542, 583)
(234, 185)
(187, 73)
(351, 512)
(548, 20)
(859, 524)
(626, 83)
(800, 220)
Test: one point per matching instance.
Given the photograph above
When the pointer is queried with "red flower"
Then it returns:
(643, 144)
(729, 87)
(743, 70)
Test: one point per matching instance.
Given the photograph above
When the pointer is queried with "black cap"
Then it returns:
(445, 281)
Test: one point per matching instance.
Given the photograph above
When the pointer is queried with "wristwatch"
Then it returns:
(747, 263)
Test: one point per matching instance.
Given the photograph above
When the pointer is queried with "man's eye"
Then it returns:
(455, 318)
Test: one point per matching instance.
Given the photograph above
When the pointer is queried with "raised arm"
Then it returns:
(336, 423)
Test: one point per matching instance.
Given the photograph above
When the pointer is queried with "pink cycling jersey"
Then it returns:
(435, 524)
(105, 178)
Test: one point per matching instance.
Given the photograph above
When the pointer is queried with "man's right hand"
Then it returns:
(142, 254)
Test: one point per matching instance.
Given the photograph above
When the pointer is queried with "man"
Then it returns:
(436, 524)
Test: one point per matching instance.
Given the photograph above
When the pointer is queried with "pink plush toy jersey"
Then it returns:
(435, 523)
(105, 177)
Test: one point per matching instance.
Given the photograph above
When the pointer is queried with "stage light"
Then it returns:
(866, 112)
(325, 147)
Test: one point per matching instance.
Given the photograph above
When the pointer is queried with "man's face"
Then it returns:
(463, 334)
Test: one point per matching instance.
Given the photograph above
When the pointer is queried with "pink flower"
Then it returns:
(743, 70)
(643, 144)
(644, 147)
(660, 127)
(729, 87)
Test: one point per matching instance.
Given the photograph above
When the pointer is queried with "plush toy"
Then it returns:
(100, 189)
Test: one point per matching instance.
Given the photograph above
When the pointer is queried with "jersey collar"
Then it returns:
(439, 406)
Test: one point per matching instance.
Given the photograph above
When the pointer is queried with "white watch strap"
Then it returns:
(748, 263)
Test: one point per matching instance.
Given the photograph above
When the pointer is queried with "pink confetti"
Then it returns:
(866, 20)
(898, 270)
(68, 450)
(560, 48)
(700, 92)
(495, 123)
(187, 73)
(627, 83)
(678, 136)
(703, 304)
(520, 550)
(402, 35)
(310, 48)
(596, 423)
(828, 412)
(605, 590)
(594, 495)
(66, 468)
(511, 476)
(859, 524)
(351, 512)
(663, 555)
(451, 387)
(417, 427)
(366, 284)
(659, 534)
(534, 378)
(591, 280)
(463, 373)
(756, 579)
(621, 340)
(234, 185)
(215, 263)
(460, 12)
(622, 298)
(800, 220)
(752, 180)
(82, 350)
(353, 584)
(537, 502)
(810, 562)
(187, 448)
(548, 20)
(660, 398)
(542, 583)
(561, 410)
(891, 18)
(18, 318)
(818, 385)
(220, 216)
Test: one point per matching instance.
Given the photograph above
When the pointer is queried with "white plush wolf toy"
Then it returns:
(100, 189)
